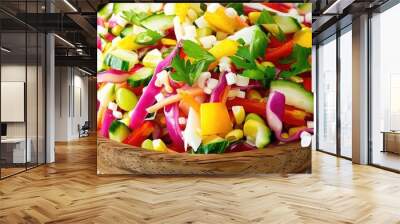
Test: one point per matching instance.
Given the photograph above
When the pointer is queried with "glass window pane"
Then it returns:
(385, 113)
(346, 94)
(13, 85)
(327, 96)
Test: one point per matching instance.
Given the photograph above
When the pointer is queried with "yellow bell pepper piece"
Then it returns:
(224, 48)
(181, 10)
(220, 21)
(303, 37)
(128, 43)
(253, 17)
(214, 119)
(168, 42)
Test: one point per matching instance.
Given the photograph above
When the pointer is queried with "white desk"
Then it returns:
(18, 149)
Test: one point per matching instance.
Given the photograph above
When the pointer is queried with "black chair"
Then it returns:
(84, 130)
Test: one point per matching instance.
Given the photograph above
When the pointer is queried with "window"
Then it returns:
(346, 92)
(385, 89)
(327, 96)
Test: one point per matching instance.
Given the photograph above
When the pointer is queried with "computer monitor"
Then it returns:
(3, 129)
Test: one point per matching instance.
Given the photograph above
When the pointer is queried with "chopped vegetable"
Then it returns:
(192, 135)
(139, 135)
(295, 94)
(172, 115)
(215, 145)
(224, 48)
(255, 117)
(250, 106)
(234, 135)
(126, 99)
(204, 78)
(214, 118)
(275, 112)
(121, 59)
(118, 131)
(159, 145)
(239, 114)
(147, 144)
(257, 133)
(141, 77)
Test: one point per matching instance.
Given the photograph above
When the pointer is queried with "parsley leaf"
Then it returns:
(180, 70)
(300, 55)
(195, 51)
(189, 71)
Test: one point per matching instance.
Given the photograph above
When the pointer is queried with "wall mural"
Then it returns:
(195, 88)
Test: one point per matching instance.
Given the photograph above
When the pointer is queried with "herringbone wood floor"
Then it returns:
(70, 192)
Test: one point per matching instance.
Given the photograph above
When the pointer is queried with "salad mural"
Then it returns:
(199, 78)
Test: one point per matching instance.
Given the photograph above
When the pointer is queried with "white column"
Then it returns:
(360, 90)
(50, 98)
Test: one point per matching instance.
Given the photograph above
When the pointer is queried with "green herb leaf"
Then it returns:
(265, 18)
(187, 71)
(237, 6)
(134, 17)
(195, 51)
(180, 70)
(259, 43)
(255, 74)
(268, 22)
(300, 55)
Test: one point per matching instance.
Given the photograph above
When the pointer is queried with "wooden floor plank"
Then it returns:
(69, 191)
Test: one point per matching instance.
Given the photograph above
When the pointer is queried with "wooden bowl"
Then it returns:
(117, 158)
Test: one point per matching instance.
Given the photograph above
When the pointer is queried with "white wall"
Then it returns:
(70, 83)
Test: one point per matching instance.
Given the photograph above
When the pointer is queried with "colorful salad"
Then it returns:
(204, 78)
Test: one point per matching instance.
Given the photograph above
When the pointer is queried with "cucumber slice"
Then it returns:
(287, 24)
(267, 20)
(141, 77)
(158, 23)
(118, 131)
(120, 59)
(217, 145)
(136, 7)
(295, 94)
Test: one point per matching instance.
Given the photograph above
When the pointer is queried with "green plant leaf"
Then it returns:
(134, 17)
(195, 51)
(258, 44)
(237, 6)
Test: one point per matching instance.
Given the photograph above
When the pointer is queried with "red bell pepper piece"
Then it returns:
(278, 6)
(139, 135)
(307, 83)
(250, 106)
(247, 10)
(274, 54)
(294, 116)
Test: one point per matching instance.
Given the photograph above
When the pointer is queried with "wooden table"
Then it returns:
(391, 141)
